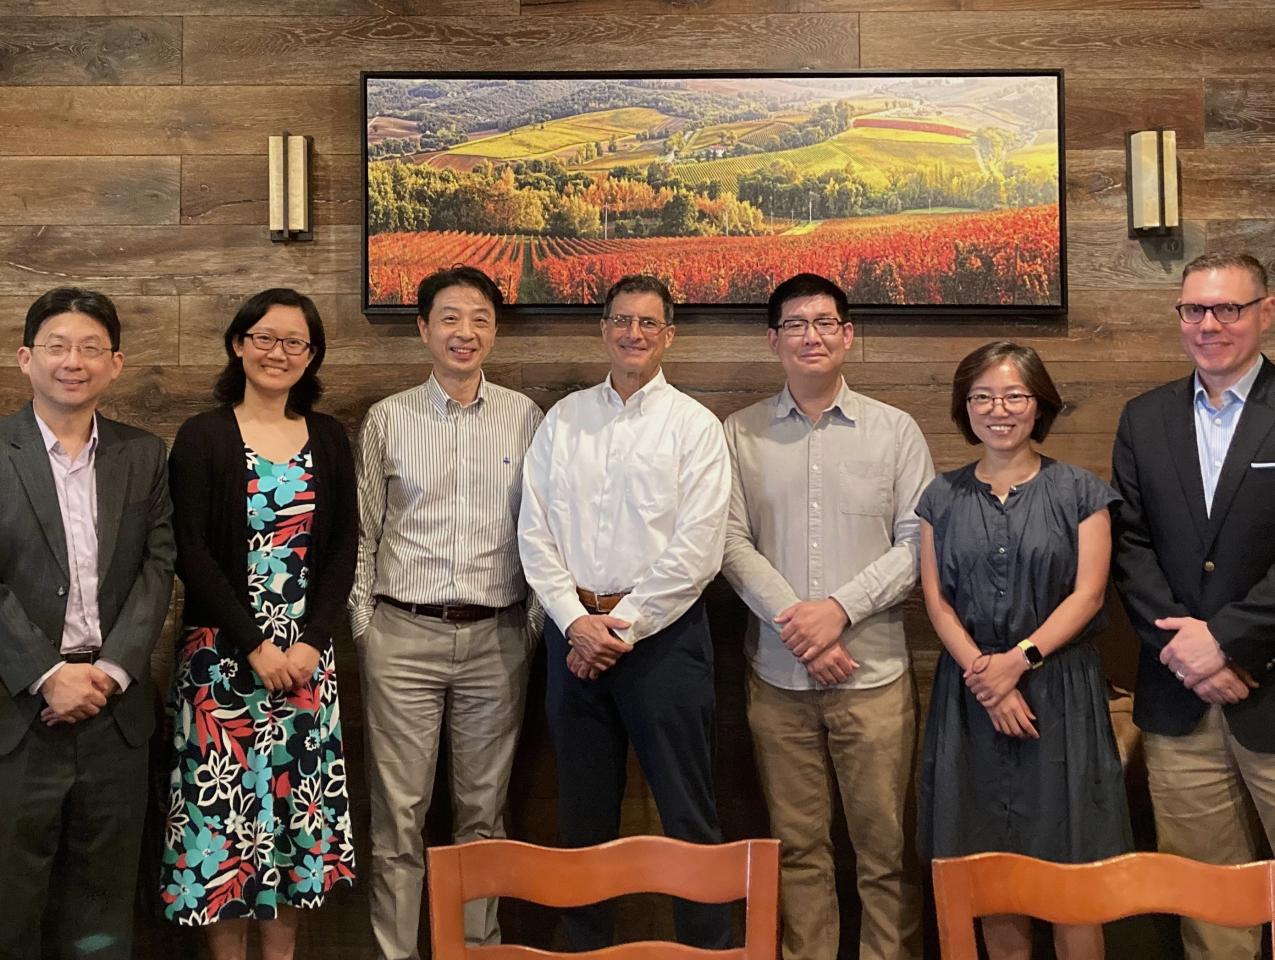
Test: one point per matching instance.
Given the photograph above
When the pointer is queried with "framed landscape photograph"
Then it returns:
(919, 193)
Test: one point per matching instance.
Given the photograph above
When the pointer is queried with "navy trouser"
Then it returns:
(660, 697)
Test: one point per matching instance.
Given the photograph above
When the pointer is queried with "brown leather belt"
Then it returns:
(448, 612)
(599, 602)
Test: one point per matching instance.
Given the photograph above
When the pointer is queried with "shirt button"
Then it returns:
(1000, 549)
(1217, 423)
(61, 591)
(1000, 593)
(1209, 566)
(814, 468)
(815, 505)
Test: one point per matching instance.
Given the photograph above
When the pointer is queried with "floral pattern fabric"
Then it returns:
(258, 813)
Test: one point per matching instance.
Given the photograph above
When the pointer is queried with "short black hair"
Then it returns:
(640, 283)
(231, 382)
(1035, 378)
(461, 275)
(72, 300)
(1224, 261)
(805, 285)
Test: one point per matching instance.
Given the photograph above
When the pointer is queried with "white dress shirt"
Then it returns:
(625, 497)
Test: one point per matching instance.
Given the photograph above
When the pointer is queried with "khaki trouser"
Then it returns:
(863, 741)
(422, 677)
(1212, 797)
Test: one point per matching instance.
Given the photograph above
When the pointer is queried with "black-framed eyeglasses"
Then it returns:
(89, 351)
(622, 321)
(797, 326)
(1012, 402)
(1222, 312)
(265, 342)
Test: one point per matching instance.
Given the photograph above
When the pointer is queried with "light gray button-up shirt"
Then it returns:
(825, 509)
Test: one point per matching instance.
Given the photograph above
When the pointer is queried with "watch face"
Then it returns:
(1033, 654)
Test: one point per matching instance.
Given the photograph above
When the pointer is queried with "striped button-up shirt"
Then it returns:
(439, 490)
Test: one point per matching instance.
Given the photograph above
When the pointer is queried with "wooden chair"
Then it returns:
(747, 870)
(994, 883)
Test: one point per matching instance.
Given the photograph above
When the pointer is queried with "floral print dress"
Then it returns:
(258, 814)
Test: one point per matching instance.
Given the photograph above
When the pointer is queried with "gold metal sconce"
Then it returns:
(290, 189)
(1151, 182)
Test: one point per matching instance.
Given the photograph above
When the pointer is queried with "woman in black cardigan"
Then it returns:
(266, 521)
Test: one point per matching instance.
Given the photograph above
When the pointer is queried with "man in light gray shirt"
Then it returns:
(437, 610)
(821, 543)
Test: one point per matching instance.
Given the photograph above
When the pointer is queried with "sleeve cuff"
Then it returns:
(116, 673)
(855, 602)
(34, 689)
(361, 619)
(627, 610)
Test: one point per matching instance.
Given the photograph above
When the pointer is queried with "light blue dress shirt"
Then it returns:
(1215, 426)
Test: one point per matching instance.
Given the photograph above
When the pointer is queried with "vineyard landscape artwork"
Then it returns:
(913, 191)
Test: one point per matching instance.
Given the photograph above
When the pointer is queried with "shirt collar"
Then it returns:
(650, 389)
(845, 403)
(51, 442)
(441, 399)
(1239, 389)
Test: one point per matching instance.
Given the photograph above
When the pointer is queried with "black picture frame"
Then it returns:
(962, 144)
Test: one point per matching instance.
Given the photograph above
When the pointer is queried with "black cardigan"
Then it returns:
(210, 520)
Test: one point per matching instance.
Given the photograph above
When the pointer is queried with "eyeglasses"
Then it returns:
(1222, 312)
(265, 343)
(622, 321)
(797, 327)
(58, 350)
(1012, 402)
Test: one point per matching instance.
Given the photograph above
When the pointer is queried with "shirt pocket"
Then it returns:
(651, 484)
(864, 488)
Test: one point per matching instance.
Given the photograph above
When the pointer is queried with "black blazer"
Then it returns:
(210, 516)
(1173, 558)
(134, 565)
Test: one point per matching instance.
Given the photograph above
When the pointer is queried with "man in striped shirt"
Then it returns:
(438, 610)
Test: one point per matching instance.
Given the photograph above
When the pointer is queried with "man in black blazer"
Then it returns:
(1194, 461)
(86, 567)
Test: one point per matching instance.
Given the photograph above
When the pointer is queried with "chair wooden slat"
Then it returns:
(986, 884)
(746, 870)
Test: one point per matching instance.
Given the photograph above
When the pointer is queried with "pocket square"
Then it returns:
(1262, 466)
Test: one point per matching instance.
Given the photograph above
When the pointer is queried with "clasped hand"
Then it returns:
(594, 648)
(993, 679)
(74, 692)
(1197, 661)
(281, 672)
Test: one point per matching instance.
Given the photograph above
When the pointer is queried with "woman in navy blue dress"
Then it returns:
(1019, 754)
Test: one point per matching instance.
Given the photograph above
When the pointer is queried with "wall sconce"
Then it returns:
(290, 189)
(1151, 182)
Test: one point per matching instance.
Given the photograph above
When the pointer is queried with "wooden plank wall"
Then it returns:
(132, 159)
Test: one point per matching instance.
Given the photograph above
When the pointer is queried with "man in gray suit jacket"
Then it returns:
(86, 568)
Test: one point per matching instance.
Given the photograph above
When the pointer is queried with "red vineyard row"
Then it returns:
(1004, 257)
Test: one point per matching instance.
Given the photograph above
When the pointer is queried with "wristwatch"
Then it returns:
(1032, 654)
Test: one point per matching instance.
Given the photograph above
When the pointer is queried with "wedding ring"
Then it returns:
(1178, 674)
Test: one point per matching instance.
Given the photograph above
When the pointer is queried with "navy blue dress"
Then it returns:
(1004, 568)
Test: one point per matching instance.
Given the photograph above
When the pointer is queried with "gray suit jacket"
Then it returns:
(135, 568)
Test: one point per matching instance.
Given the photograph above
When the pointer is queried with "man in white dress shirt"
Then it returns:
(822, 545)
(437, 610)
(623, 516)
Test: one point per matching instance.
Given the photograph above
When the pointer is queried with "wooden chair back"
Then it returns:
(747, 870)
(1087, 893)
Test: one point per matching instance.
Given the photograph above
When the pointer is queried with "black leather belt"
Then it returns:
(82, 656)
(448, 612)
